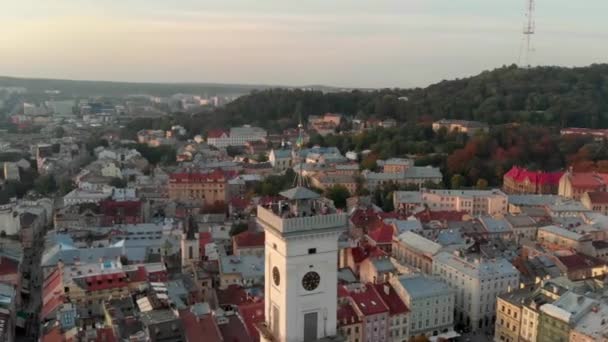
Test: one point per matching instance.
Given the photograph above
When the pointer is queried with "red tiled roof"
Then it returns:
(239, 203)
(50, 306)
(234, 330)
(233, 294)
(347, 315)
(382, 234)
(364, 217)
(8, 266)
(536, 177)
(140, 275)
(249, 239)
(599, 197)
(252, 314)
(368, 301)
(216, 133)
(443, 215)
(195, 328)
(203, 239)
(52, 283)
(579, 261)
(106, 281)
(589, 180)
(395, 305)
(342, 291)
(361, 253)
(105, 335)
(54, 335)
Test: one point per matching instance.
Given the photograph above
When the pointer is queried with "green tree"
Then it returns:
(262, 157)
(482, 183)
(238, 227)
(59, 132)
(457, 181)
(45, 184)
(338, 194)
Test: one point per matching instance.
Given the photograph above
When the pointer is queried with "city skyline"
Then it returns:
(350, 44)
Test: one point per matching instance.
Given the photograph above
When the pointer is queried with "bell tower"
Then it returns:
(301, 256)
(189, 242)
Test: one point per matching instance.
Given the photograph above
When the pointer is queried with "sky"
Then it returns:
(349, 43)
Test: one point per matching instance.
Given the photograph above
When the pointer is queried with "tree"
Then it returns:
(59, 132)
(262, 157)
(339, 194)
(482, 183)
(45, 184)
(238, 227)
(457, 181)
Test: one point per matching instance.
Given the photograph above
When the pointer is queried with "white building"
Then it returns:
(301, 269)
(477, 283)
(238, 136)
(414, 175)
(280, 159)
(431, 304)
(475, 202)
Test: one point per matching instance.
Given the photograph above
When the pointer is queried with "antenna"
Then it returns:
(529, 30)
(300, 180)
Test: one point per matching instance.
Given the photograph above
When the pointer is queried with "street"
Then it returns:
(31, 305)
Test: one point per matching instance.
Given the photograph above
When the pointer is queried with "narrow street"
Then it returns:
(32, 304)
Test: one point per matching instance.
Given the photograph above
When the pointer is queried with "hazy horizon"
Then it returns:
(342, 43)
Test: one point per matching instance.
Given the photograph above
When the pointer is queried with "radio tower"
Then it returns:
(529, 29)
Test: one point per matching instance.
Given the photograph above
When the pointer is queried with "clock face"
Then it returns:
(310, 281)
(276, 276)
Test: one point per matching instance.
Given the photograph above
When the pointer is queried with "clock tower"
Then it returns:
(301, 255)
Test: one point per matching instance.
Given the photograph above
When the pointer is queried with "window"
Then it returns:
(312, 251)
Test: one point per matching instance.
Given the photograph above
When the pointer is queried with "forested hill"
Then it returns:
(553, 96)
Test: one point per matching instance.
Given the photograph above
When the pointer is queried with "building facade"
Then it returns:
(196, 186)
(301, 272)
(477, 283)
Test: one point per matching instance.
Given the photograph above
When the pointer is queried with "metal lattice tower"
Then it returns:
(529, 30)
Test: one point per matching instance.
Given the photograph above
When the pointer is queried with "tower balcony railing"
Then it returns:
(301, 223)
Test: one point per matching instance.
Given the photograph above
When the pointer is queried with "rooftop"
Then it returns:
(249, 266)
(390, 297)
(420, 286)
(419, 243)
(562, 232)
(478, 268)
(598, 197)
(368, 300)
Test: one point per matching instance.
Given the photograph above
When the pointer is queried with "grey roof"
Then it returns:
(249, 266)
(419, 243)
(493, 225)
(562, 232)
(420, 286)
(282, 153)
(486, 267)
(405, 225)
(299, 193)
(408, 196)
(522, 220)
(533, 200)
(383, 264)
(448, 237)
(423, 172)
